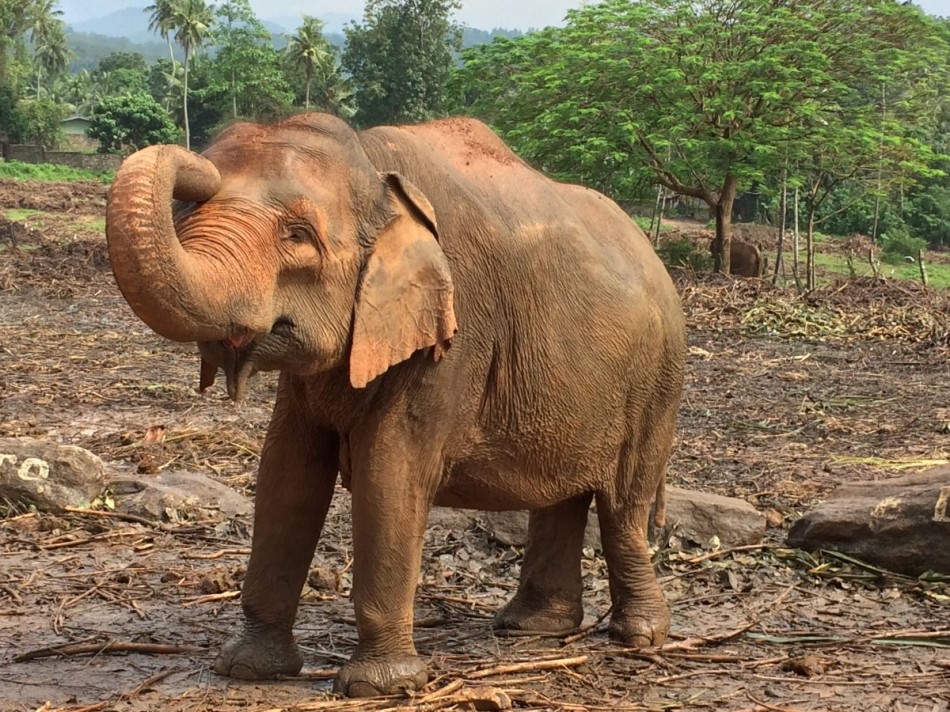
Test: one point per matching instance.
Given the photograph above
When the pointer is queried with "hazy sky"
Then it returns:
(483, 14)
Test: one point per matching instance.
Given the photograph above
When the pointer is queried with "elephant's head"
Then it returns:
(280, 247)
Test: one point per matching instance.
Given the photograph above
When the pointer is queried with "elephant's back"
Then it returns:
(560, 247)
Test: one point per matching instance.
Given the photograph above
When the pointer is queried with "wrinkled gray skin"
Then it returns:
(451, 328)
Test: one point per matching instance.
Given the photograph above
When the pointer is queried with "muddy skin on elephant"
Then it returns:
(451, 328)
(745, 259)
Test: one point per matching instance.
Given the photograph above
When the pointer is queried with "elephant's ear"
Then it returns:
(405, 299)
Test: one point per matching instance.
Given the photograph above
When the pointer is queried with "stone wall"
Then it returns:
(74, 159)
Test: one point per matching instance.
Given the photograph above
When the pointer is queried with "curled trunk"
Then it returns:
(161, 282)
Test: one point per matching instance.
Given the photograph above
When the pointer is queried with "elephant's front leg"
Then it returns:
(294, 487)
(392, 487)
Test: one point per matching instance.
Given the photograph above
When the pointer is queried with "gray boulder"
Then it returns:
(48, 475)
(697, 516)
(901, 524)
(177, 496)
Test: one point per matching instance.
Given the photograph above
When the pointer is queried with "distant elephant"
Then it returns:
(745, 259)
(451, 327)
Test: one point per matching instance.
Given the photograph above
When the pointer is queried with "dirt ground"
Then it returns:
(786, 397)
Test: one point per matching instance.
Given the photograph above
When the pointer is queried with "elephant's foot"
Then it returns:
(255, 655)
(538, 617)
(382, 676)
(644, 628)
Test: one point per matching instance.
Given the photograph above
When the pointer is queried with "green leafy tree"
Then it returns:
(41, 122)
(245, 77)
(229, 13)
(12, 122)
(164, 83)
(710, 96)
(132, 61)
(400, 59)
(15, 20)
(131, 121)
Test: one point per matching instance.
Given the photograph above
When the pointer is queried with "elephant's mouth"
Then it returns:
(243, 355)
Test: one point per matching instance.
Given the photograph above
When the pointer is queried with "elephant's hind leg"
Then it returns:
(294, 488)
(549, 592)
(640, 616)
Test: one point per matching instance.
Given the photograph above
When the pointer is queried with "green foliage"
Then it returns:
(50, 172)
(682, 252)
(896, 247)
(12, 122)
(714, 96)
(472, 36)
(131, 121)
(309, 54)
(245, 79)
(41, 122)
(400, 59)
(928, 213)
(132, 61)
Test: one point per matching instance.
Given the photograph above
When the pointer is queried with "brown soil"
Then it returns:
(786, 397)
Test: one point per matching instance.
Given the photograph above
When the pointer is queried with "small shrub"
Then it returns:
(684, 253)
(898, 245)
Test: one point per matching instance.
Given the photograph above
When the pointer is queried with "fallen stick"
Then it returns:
(452, 687)
(218, 554)
(145, 684)
(531, 666)
(324, 674)
(725, 552)
(211, 598)
(111, 646)
(587, 630)
(114, 515)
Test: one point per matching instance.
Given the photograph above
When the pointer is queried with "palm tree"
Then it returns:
(309, 50)
(43, 18)
(50, 50)
(78, 91)
(160, 19)
(48, 38)
(191, 21)
(335, 92)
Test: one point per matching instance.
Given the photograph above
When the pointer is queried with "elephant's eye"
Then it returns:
(298, 233)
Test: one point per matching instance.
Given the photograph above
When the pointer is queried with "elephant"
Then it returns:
(451, 328)
(745, 259)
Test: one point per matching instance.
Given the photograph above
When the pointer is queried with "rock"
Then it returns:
(453, 520)
(511, 528)
(697, 516)
(901, 524)
(700, 516)
(48, 475)
(177, 496)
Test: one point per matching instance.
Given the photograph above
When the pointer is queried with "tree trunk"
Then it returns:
(796, 246)
(877, 212)
(780, 244)
(723, 209)
(306, 102)
(659, 220)
(810, 247)
(656, 208)
(184, 102)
